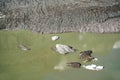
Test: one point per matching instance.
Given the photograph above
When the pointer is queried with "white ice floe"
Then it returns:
(93, 67)
(116, 45)
(54, 38)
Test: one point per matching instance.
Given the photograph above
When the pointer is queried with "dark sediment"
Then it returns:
(49, 16)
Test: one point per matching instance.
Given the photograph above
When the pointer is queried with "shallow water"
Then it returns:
(42, 63)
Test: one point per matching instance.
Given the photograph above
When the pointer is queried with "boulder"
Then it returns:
(63, 49)
(86, 55)
(54, 38)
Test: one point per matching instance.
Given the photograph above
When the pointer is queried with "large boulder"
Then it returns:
(63, 49)
(54, 38)
(86, 55)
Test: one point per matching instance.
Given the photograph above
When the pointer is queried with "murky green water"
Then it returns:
(39, 63)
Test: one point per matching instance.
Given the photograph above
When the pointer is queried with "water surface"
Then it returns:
(39, 63)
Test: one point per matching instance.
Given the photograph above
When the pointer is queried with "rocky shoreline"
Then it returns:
(68, 16)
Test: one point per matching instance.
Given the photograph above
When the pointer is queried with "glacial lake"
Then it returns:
(39, 63)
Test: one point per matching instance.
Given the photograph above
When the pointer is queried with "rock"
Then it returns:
(23, 47)
(86, 55)
(63, 49)
(93, 67)
(74, 64)
(54, 38)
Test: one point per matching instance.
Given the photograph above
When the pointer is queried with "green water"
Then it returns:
(39, 62)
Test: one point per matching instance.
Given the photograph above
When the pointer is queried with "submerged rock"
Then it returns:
(23, 47)
(74, 64)
(63, 49)
(86, 55)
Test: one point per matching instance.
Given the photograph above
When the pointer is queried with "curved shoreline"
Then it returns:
(44, 17)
